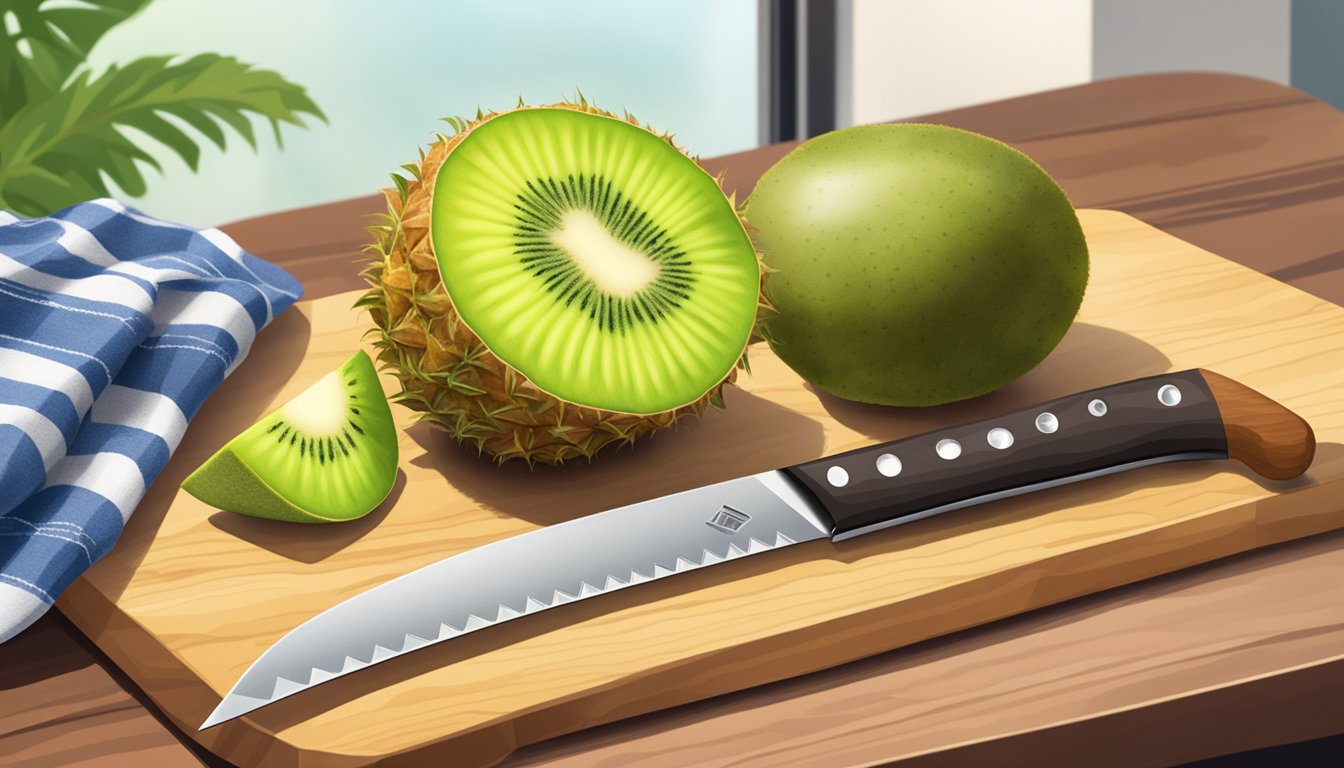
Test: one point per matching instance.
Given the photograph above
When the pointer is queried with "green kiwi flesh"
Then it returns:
(594, 257)
(329, 454)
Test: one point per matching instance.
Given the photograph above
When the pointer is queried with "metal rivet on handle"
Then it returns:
(948, 449)
(1046, 423)
(888, 465)
(1097, 407)
(1000, 438)
(837, 476)
(1169, 394)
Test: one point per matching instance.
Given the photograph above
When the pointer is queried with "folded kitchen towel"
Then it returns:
(114, 327)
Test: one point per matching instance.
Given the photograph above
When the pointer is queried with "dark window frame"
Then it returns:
(798, 44)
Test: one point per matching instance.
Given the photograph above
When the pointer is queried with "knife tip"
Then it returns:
(230, 707)
(214, 719)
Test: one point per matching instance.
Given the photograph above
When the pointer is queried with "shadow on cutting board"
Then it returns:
(1088, 356)
(750, 435)
(317, 542)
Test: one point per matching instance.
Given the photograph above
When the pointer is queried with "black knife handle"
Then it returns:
(1192, 414)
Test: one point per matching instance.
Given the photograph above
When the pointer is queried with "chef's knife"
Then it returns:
(1193, 414)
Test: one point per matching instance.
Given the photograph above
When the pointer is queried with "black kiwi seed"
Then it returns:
(321, 448)
(540, 210)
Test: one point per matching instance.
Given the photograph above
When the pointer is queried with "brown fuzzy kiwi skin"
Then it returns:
(449, 377)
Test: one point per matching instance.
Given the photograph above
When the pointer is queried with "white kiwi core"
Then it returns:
(319, 410)
(614, 266)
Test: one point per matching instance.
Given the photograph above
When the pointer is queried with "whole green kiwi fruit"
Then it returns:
(915, 264)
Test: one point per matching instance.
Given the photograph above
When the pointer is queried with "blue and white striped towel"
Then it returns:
(114, 327)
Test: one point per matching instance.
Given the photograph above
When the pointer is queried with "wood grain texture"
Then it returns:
(114, 728)
(1261, 433)
(1236, 654)
(191, 596)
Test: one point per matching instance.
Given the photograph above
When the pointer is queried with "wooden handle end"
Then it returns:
(1261, 433)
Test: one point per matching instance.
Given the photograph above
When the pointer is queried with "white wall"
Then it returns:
(909, 57)
(901, 58)
(1249, 37)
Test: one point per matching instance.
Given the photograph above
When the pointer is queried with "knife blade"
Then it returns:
(1194, 414)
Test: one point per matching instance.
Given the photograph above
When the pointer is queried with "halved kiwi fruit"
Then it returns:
(591, 256)
(557, 279)
(329, 454)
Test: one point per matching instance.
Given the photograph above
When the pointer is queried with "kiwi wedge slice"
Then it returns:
(592, 256)
(329, 454)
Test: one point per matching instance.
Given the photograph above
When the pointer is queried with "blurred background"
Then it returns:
(723, 75)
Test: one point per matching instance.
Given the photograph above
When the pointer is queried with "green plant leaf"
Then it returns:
(55, 151)
(43, 42)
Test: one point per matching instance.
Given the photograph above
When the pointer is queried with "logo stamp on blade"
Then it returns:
(728, 520)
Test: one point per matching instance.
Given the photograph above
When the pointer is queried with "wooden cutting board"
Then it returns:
(191, 596)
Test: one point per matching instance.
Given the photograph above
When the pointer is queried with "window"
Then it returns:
(385, 73)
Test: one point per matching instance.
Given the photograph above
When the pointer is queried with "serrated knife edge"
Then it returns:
(769, 497)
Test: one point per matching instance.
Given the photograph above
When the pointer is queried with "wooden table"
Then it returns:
(1234, 655)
